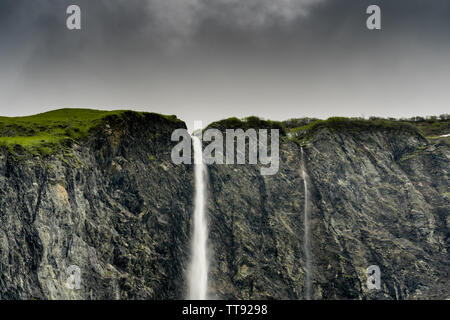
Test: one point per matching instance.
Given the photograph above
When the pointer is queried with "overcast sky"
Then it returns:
(211, 59)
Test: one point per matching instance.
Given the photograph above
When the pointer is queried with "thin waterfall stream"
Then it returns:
(198, 270)
(306, 234)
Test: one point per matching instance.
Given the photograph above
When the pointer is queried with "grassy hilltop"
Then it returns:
(45, 133)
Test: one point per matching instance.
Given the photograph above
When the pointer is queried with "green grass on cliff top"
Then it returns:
(48, 132)
(355, 124)
(426, 127)
(44, 133)
(247, 123)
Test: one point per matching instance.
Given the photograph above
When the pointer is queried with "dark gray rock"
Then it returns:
(378, 197)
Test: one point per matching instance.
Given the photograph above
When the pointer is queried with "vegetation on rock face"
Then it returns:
(298, 122)
(355, 124)
(431, 126)
(248, 123)
(45, 133)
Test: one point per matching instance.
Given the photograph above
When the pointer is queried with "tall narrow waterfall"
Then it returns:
(198, 271)
(306, 236)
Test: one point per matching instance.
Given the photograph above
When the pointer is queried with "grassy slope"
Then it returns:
(45, 133)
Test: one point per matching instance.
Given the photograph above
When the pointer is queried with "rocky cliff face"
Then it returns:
(117, 207)
(378, 197)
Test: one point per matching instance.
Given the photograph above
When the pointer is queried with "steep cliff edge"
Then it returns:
(112, 204)
(104, 195)
(378, 196)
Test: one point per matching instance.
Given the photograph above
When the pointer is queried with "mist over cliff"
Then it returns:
(99, 191)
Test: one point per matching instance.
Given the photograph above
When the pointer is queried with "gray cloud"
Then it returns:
(183, 17)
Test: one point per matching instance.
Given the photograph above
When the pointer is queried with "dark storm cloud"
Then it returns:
(153, 25)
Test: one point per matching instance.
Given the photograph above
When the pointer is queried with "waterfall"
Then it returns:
(198, 271)
(306, 235)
